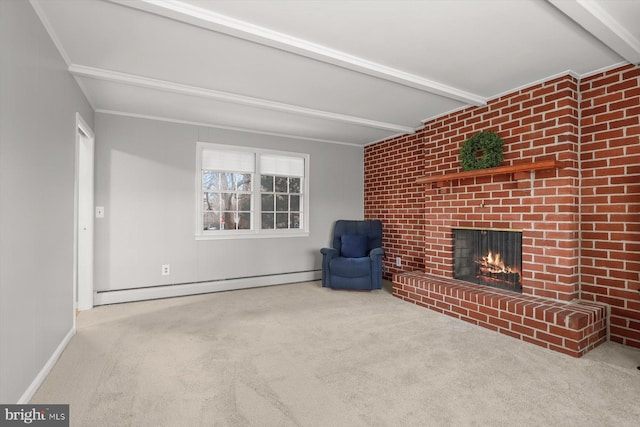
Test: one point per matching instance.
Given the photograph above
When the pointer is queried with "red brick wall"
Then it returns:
(610, 161)
(569, 250)
(392, 195)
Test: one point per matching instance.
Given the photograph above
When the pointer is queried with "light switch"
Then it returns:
(99, 211)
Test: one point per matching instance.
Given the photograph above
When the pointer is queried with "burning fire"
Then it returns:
(493, 264)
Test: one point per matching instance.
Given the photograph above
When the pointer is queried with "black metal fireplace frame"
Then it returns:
(471, 247)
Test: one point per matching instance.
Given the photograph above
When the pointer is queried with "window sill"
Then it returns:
(241, 236)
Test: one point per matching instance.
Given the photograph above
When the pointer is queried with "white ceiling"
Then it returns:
(352, 72)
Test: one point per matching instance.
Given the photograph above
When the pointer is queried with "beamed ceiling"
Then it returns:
(351, 72)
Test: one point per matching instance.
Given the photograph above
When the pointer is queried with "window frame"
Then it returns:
(256, 230)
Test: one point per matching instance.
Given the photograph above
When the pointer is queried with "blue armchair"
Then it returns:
(355, 260)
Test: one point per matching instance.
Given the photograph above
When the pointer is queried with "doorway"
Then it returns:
(83, 242)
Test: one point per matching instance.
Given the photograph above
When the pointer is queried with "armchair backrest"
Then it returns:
(371, 228)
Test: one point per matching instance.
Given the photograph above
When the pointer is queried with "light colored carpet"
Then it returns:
(301, 355)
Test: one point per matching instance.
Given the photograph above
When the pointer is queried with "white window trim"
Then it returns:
(255, 232)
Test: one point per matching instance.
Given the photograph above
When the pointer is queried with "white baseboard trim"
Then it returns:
(37, 382)
(169, 291)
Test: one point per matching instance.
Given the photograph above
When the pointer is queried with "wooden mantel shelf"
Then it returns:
(526, 167)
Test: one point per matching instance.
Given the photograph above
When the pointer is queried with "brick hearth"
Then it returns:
(571, 328)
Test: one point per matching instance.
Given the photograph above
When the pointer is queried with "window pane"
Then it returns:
(281, 184)
(229, 202)
(282, 220)
(266, 183)
(294, 220)
(227, 181)
(244, 222)
(243, 182)
(237, 220)
(211, 201)
(267, 202)
(230, 220)
(294, 185)
(210, 180)
(244, 202)
(294, 203)
(211, 221)
(267, 221)
(226, 221)
(282, 202)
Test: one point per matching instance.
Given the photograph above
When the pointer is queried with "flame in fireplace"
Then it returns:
(493, 264)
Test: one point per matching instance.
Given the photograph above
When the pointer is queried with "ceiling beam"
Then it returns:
(223, 127)
(591, 16)
(166, 86)
(207, 19)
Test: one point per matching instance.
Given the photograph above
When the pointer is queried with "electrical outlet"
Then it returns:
(166, 270)
(398, 262)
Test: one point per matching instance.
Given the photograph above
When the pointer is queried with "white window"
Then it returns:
(249, 192)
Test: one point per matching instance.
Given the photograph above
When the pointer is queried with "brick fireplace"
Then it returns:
(573, 193)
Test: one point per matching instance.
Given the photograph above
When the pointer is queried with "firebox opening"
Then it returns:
(488, 257)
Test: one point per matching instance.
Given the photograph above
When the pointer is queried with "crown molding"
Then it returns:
(603, 70)
(207, 19)
(35, 4)
(166, 86)
(526, 86)
(52, 34)
(591, 16)
(517, 89)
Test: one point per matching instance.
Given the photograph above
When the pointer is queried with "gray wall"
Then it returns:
(38, 102)
(145, 179)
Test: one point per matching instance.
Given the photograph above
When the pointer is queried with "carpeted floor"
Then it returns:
(301, 355)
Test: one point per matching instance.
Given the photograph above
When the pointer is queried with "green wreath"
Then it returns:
(482, 151)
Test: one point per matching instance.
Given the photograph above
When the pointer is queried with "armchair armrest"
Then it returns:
(376, 252)
(376, 255)
(331, 252)
(327, 255)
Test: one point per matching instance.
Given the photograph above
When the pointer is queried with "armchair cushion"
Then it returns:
(351, 267)
(355, 245)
